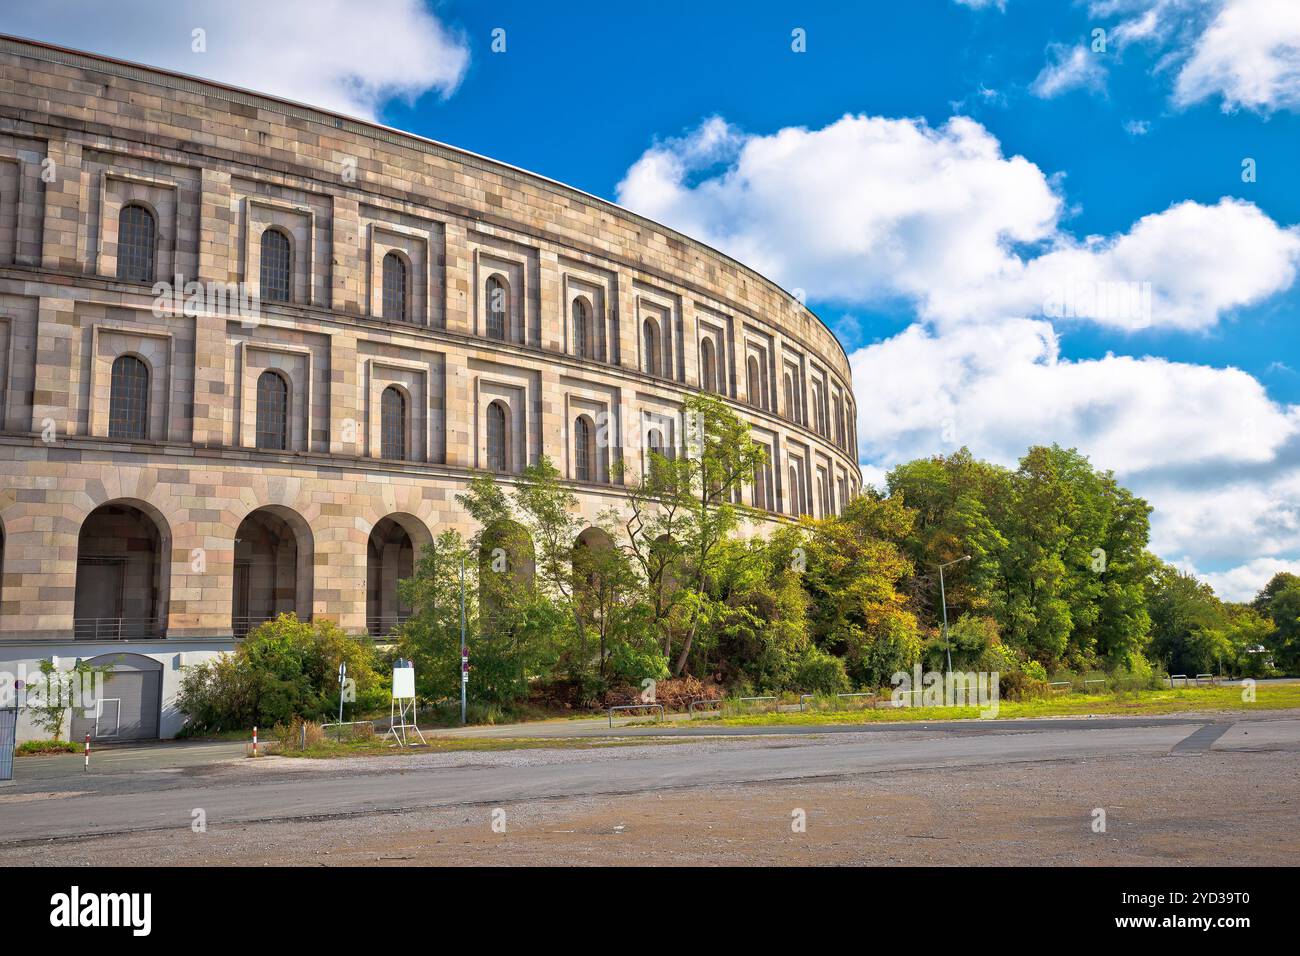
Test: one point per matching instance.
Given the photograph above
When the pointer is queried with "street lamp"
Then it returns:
(943, 599)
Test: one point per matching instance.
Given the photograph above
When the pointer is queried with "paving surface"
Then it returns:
(132, 809)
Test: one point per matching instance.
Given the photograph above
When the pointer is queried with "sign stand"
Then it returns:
(401, 714)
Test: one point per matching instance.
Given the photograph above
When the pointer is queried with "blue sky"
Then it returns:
(929, 173)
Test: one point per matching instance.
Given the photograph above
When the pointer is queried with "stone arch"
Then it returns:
(393, 547)
(123, 574)
(274, 567)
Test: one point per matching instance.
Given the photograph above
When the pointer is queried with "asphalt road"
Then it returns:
(118, 800)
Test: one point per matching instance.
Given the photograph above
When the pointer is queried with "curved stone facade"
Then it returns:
(445, 313)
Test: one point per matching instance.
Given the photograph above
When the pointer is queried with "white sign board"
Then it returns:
(403, 683)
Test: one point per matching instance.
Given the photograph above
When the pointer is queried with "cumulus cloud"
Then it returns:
(1243, 582)
(1249, 55)
(1206, 445)
(871, 209)
(328, 53)
(1245, 53)
(1069, 68)
(878, 211)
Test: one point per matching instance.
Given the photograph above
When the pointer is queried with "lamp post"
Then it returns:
(943, 599)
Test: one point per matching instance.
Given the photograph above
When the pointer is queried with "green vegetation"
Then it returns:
(284, 669)
(1132, 703)
(40, 747)
(675, 585)
(50, 698)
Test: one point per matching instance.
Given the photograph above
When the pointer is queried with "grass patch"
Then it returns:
(378, 747)
(39, 747)
(1130, 703)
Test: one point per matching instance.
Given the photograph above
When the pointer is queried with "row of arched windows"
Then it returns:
(128, 409)
(137, 246)
(129, 419)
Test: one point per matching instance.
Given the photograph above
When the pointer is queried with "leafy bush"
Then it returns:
(284, 669)
(820, 673)
(46, 747)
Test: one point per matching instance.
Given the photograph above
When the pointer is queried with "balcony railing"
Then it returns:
(118, 628)
(381, 627)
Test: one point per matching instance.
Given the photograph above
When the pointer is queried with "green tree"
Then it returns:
(681, 511)
(854, 569)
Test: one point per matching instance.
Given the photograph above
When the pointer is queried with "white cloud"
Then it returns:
(982, 4)
(1249, 55)
(328, 53)
(1243, 582)
(1206, 446)
(1069, 68)
(871, 209)
(1245, 53)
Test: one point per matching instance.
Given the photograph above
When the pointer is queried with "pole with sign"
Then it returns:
(343, 679)
(464, 648)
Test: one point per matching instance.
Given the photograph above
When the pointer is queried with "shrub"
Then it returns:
(1018, 685)
(820, 673)
(284, 669)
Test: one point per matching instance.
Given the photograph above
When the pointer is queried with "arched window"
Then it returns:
(137, 239)
(395, 288)
(791, 409)
(275, 266)
(584, 458)
(796, 507)
(392, 423)
(128, 399)
(754, 382)
(650, 335)
(708, 367)
(498, 459)
(580, 328)
(655, 441)
(272, 411)
(498, 307)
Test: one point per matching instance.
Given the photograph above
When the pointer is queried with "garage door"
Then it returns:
(128, 705)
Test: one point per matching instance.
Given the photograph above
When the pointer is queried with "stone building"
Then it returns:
(251, 350)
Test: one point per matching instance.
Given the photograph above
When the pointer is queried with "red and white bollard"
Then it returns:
(254, 742)
(87, 753)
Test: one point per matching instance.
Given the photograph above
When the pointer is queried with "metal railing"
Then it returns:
(118, 628)
(872, 694)
(701, 702)
(1208, 678)
(637, 707)
(325, 729)
(378, 627)
(240, 626)
(1173, 677)
(1060, 687)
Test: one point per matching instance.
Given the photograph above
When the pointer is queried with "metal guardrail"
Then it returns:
(636, 707)
(1060, 686)
(1173, 677)
(1209, 679)
(700, 702)
(347, 723)
(117, 628)
(1096, 680)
